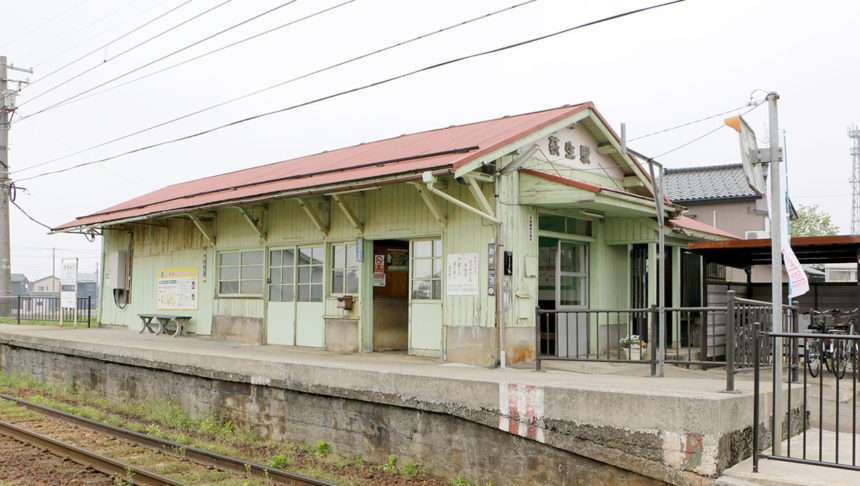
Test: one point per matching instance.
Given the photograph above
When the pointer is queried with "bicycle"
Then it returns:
(834, 354)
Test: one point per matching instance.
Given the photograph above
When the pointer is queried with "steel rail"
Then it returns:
(194, 454)
(87, 458)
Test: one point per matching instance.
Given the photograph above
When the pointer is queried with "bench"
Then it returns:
(159, 323)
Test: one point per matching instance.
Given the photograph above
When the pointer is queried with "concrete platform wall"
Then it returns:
(445, 444)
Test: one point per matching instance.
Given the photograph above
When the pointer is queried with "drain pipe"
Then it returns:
(429, 179)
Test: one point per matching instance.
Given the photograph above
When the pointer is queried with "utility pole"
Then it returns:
(776, 223)
(7, 106)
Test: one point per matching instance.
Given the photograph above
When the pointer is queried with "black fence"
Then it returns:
(24, 308)
(695, 336)
(831, 358)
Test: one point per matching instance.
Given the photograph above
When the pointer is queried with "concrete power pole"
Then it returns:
(7, 106)
(5, 257)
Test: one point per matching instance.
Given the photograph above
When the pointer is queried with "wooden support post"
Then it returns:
(479, 195)
(347, 211)
(315, 217)
(210, 237)
(255, 224)
(431, 204)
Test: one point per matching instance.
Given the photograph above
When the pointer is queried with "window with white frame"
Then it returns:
(427, 269)
(310, 274)
(282, 266)
(240, 272)
(344, 269)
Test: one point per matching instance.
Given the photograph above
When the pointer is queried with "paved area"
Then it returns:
(772, 472)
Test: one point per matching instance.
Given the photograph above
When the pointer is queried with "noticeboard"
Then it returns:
(177, 289)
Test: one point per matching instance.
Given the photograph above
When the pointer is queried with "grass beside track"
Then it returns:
(215, 434)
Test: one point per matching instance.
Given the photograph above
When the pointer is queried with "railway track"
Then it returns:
(134, 473)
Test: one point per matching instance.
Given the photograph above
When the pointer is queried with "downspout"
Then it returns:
(429, 179)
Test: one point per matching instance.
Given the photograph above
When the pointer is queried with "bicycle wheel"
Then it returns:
(813, 357)
(837, 360)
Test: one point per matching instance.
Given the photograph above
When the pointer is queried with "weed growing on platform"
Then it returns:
(322, 448)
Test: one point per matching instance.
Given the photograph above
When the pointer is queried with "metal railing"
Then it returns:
(23, 308)
(696, 336)
(821, 356)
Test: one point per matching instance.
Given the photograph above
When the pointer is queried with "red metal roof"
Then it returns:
(446, 148)
(690, 223)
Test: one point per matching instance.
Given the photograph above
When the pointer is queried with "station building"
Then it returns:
(440, 243)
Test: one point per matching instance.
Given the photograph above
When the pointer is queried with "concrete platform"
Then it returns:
(774, 473)
(679, 429)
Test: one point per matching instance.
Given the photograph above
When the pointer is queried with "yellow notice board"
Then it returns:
(177, 289)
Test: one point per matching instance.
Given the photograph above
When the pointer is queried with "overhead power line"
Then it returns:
(123, 36)
(277, 85)
(69, 80)
(189, 46)
(28, 215)
(352, 90)
(43, 24)
(688, 123)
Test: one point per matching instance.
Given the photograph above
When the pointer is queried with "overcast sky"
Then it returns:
(653, 70)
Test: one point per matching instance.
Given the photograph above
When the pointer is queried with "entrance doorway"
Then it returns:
(391, 295)
(563, 285)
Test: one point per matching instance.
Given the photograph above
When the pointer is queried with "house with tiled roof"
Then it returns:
(439, 243)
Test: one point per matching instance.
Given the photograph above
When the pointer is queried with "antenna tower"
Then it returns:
(854, 135)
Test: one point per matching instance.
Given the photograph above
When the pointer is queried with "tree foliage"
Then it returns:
(812, 221)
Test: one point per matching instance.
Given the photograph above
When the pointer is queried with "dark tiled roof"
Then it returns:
(707, 183)
(18, 277)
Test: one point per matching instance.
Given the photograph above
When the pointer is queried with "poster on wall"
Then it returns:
(379, 270)
(177, 289)
(462, 275)
(398, 260)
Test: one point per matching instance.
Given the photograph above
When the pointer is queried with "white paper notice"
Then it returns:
(462, 276)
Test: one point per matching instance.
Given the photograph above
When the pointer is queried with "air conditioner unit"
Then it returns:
(757, 235)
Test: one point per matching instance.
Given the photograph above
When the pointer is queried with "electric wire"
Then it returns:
(81, 29)
(182, 49)
(72, 47)
(34, 29)
(688, 123)
(28, 215)
(64, 66)
(268, 88)
(156, 36)
(701, 136)
(349, 91)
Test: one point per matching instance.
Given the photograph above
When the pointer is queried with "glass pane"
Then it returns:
(437, 289)
(579, 226)
(422, 249)
(288, 257)
(437, 248)
(287, 293)
(230, 258)
(437, 268)
(316, 273)
(549, 222)
(352, 281)
(304, 274)
(274, 293)
(338, 257)
(287, 275)
(229, 273)
(337, 281)
(252, 287)
(305, 256)
(318, 254)
(421, 289)
(254, 257)
(252, 271)
(572, 291)
(421, 268)
(275, 276)
(351, 260)
(275, 258)
(228, 287)
(316, 293)
(304, 293)
(572, 258)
